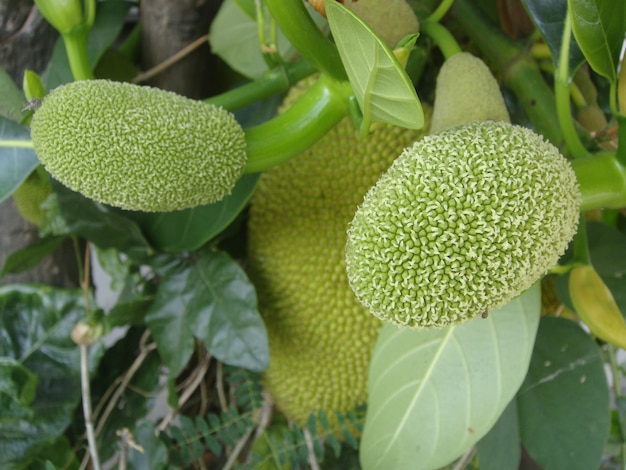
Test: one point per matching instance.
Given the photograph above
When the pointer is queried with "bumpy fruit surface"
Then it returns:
(320, 336)
(138, 148)
(466, 91)
(463, 222)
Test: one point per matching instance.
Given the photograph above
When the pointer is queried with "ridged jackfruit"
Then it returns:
(320, 336)
(29, 196)
(463, 221)
(136, 147)
(465, 92)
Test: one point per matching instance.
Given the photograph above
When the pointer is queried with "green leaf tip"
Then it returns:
(462, 222)
(138, 148)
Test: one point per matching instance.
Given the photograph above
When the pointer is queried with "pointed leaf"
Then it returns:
(11, 98)
(434, 393)
(16, 162)
(29, 256)
(599, 26)
(564, 402)
(382, 87)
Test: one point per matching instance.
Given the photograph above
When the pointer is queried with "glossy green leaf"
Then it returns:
(549, 17)
(501, 448)
(11, 98)
(209, 297)
(599, 27)
(564, 402)
(30, 256)
(191, 228)
(434, 393)
(382, 88)
(36, 324)
(16, 163)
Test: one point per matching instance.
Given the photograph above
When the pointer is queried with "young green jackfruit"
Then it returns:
(29, 196)
(463, 221)
(465, 92)
(320, 337)
(136, 147)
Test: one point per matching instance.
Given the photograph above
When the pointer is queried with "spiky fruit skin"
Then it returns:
(320, 336)
(29, 196)
(138, 148)
(466, 91)
(462, 222)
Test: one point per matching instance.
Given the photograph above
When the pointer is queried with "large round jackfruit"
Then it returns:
(466, 91)
(136, 147)
(463, 222)
(320, 336)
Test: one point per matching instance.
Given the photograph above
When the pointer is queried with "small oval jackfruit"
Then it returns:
(465, 92)
(137, 147)
(320, 337)
(29, 196)
(462, 222)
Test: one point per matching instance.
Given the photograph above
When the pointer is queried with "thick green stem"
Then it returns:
(602, 180)
(76, 47)
(580, 243)
(274, 81)
(294, 131)
(518, 70)
(444, 39)
(298, 26)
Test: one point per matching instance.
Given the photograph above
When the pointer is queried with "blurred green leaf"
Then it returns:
(433, 393)
(154, 455)
(16, 163)
(36, 323)
(115, 65)
(30, 256)
(57, 454)
(12, 100)
(599, 26)
(381, 86)
(563, 404)
(209, 297)
(549, 17)
(191, 228)
(501, 447)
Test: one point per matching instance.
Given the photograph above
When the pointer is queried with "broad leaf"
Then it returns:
(30, 256)
(16, 160)
(564, 402)
(12, 100)
(382, 87)
(434, 393)
(549, 17)
(599, 26)
(501, 448)
(210, 298)
(191, 228)
(154, 455)
(36, 323)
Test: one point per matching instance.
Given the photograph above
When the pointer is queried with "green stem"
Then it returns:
(274, 81)
(294, 131)
(518, 69)
(444, 39)
(76, 46)
(298, 26)
(602, 181)
(440, 11)
(562, 92)
(25, 144)
(621, 137)
(580, 243)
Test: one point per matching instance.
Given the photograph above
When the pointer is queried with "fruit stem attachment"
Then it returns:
(76, 47)
(294, 131)
(444, 39)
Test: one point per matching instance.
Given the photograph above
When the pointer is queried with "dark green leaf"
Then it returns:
(154, 455)
(208, 297)
(191, 228)
(115, 65)
(563, 404)
(599, 26)
(16, 163)
(100, 224)
(110, 17)
(28, 257)
(549, 17)
(36, 324)
(12, 100)
(57, 454)
(17, 386)
(500, 449)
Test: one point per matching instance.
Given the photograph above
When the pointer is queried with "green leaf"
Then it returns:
(36, 323)
(16, 163)
(30, 256)
(382, 88)
(434, 393)
(57, 454)
(598, 27)
(189, 229)
(154, 455)
(501, 449)
(549, 17)
(208, 297)
(11, 98)
(564, 402)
